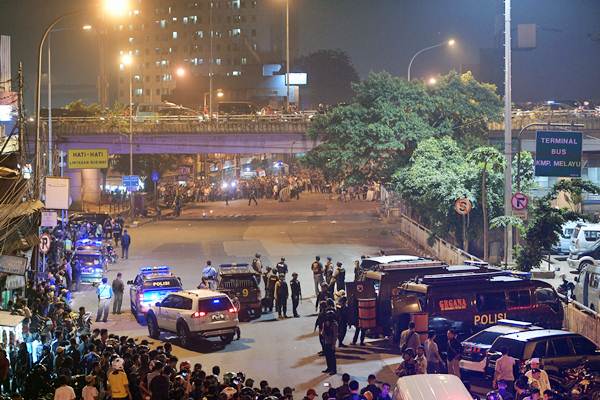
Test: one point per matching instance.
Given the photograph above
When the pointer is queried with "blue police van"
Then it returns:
(151, 285)
(89, 259)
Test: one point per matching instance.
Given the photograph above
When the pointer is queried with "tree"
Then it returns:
(487, 159)
(437, 175)
(375, 135)
(330, 75)
(546, 221)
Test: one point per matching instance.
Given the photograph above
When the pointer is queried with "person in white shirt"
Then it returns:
(64, 391)
(90, 392)
(543, 380)
(504, 369)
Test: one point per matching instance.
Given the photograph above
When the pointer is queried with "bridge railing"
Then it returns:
(590, 118)
(297, 122)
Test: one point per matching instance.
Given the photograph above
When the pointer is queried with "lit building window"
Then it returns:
(138, 92)
(163, 23)
(174, 35)
(218, 61)
(174, 19)
(194, 19)
(167, 77)
(130, 40)
(136, 12)
(185, 20)
(236, 31)
(244, 60)
(199, 34)
(137, 78)
(236, 73)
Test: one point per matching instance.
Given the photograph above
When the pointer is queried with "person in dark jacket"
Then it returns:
(343, 318)
(125, 243)
(296, 293)
(328, 331)
(281, 296)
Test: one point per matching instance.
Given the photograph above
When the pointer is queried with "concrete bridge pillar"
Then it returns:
(85, 186)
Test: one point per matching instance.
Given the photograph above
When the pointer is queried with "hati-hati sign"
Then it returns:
(87, 158)
(558, 153)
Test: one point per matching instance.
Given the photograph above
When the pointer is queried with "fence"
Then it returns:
(434, 246)
(580, 319)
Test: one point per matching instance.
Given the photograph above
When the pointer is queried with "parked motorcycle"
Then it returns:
(111, 254)
(581, 383)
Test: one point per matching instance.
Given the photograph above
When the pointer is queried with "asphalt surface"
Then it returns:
(284, 352)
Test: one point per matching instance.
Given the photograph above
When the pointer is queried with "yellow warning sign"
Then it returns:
(88, 158)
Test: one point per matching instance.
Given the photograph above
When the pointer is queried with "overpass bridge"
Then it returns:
(251, 133)
(187, 134)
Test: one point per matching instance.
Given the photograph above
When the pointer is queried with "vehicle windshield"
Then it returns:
(238, 282)
(166, 282)
(88, 259)
(214, 305)
(567, 233)
(515, 347)
(484, 337)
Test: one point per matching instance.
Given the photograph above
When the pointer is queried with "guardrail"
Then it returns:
(590, 118)
(420, 235)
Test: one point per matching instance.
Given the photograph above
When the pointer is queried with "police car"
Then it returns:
(151, 285)
(476, 347)
(91, 264)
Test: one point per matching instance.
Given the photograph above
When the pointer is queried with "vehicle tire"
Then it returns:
(226, 339)
(153, 329)
(583, 265)
(183, 333)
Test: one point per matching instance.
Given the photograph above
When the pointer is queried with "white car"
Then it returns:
(190, 313)
(475, 348)
(430, 387)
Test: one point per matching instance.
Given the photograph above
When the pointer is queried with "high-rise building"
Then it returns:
(166, 38)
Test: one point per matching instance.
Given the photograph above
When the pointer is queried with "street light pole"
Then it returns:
(287, 54)
(508, 130)
(38, 101)
(435, 46)
(50, 170)
(210, 63)
(130, 121)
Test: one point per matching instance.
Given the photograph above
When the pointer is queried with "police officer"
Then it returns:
(296, 293)
(210, 274)
(105, 293)
(282, 267)
(270, 290)
(339, 277)
(281, 296)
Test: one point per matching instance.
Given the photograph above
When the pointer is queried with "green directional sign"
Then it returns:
(558, 153)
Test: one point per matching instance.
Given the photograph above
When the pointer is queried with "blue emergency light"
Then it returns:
(162, 269)
(216, 301)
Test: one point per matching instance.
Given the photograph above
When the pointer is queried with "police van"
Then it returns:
(151, 285)
(241, 281)
(469, 302)
(90, 263)
(382, 284)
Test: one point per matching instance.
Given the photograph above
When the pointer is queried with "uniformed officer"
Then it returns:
(105, 293)
(339, 277)
(210, 274)
(282, 267)
(281, 296)
(296, 293)
(270, 291)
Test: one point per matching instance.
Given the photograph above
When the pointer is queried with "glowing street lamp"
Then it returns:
(180, 72)
(432, 81)
(449, 43)
(116, 7)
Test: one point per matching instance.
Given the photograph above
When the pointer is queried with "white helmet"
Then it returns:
(118, 363)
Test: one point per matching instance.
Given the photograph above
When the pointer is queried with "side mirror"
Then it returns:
(130, 282)
(157, 304)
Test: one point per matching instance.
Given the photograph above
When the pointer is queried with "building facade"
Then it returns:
(169, 40)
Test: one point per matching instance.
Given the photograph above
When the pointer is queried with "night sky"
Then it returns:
(377, 34)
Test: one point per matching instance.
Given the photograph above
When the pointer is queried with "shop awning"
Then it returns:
(14, 282)
(9, 211)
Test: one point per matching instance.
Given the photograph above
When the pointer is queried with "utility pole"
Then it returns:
(50, 155)
(287, 55)
(21, 120)
(210, 63)
(507, 129)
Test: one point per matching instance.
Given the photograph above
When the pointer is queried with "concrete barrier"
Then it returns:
(582, 320)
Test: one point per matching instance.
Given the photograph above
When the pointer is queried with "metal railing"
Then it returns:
(298, 122)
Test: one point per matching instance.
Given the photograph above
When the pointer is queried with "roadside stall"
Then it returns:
(11, 329)
(12, 276)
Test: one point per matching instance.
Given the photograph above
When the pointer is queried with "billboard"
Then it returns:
(87, 158)
(558, 153)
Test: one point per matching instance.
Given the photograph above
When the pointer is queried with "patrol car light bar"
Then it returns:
(153, 270)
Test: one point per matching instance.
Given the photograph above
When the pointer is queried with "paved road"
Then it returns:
(282, 351)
